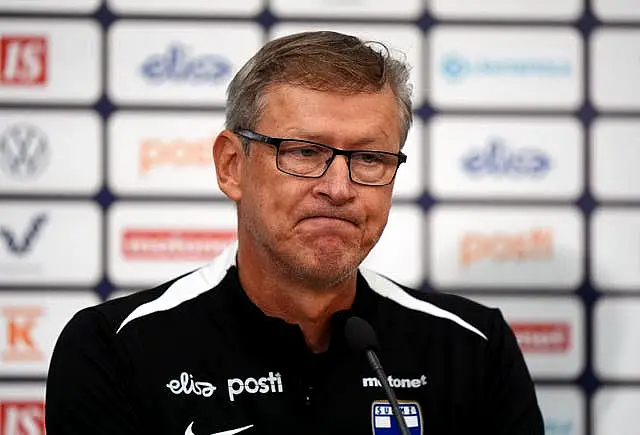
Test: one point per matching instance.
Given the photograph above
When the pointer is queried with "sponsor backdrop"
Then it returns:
(522, 188)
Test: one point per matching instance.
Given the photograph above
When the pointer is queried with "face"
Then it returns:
(316, 230)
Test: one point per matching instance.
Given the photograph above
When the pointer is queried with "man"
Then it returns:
(254, 342)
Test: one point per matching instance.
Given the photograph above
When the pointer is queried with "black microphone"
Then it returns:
(362, 338)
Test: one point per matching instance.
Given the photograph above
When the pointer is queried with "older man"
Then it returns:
(255, 341)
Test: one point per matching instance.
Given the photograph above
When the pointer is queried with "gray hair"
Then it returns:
(322, 61)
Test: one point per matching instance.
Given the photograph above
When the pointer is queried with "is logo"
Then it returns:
(23, 60)
(555, 426)
(177, 244)
(20, 345)
(22, 247)
(24, 151)
(22, 418)
(533, 245)
(178, 65)
(498, 160)
(155, 153)
(384, 422)
(542, 337)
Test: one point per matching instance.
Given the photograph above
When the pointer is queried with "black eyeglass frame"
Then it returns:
(277, 141)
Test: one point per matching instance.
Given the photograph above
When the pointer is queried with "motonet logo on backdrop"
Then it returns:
(177, 244)
(22, 417)
(456, 67)
(535, 244)
(542, 337)
(23, 60)
(176, 153)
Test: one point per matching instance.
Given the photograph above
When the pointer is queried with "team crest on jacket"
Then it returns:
(384, 422)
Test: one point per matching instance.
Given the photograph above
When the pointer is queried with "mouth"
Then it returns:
(329, 219)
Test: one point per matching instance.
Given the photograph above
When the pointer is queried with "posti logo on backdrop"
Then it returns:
(500, 247)
(22, 408)
(549, 330)
(163, 154)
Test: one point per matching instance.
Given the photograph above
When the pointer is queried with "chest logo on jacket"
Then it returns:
(384, 422)
(396, 382)
(186, 385)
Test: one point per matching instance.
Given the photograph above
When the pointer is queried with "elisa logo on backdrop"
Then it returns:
(536, 244)
(24, 151)
(497, 159)
(179, 65)
(177, 153)
(455, 67)
(542, 337)
(23, 60)
(22, 417)
(174, 244)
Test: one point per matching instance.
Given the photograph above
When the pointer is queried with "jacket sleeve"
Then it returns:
(86, 385)
(511, 406)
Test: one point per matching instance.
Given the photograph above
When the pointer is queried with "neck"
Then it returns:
(294, 301)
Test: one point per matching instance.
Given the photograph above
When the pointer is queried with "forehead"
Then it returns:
(342, 119)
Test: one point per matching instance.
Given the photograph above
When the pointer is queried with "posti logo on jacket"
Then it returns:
(535, 244)
(22, 417)
(174, 243)
(23, 60)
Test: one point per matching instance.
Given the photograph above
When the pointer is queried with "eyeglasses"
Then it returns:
(307, 159)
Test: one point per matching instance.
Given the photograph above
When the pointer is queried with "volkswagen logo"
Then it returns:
(24, 151)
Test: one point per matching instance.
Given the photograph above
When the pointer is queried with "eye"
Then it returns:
(369, 158)
(301, 150)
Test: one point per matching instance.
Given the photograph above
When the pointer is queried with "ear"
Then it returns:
(228, 158)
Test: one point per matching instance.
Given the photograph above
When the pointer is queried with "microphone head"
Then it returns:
(360, 335)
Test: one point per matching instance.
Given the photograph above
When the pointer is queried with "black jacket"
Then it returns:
(194, 356)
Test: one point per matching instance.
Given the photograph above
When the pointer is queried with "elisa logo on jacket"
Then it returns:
(23, 60)
(384, 422)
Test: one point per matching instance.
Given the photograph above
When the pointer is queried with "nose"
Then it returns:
(335, 184)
